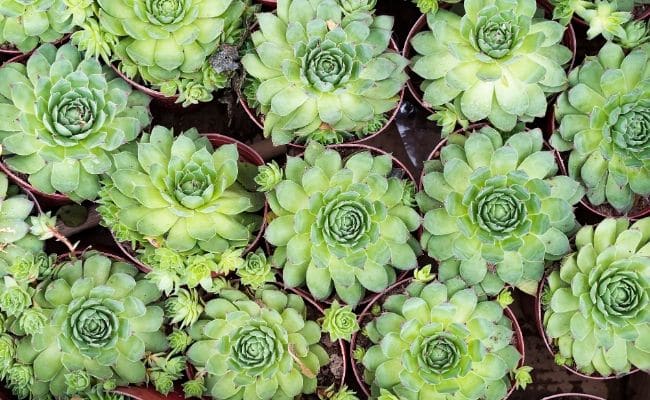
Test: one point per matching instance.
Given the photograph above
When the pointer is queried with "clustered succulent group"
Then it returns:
(418, 279)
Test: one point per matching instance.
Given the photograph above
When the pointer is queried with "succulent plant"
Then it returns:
(357, 6)
(502, 65)
(256, 270)
(63, 117)
(609, 18)
(342, 393)
(24, 24)
(21, 238)
(325, 75)
(340, 322)
(341, 226)
(434, 342)
(181, 203)
(431, 6)
(167, 44)
(597, 302)
(257, 348)
(605, 122)
(101, 320)
(496, 211)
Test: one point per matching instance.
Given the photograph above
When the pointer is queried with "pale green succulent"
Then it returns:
(350, 7)
(24, 24)
(101, 320)
(431, 6)
(605, 122)
(496, 211)
(597, 308)
(63, 117)
(181, 197)
(343, 393)
(340, 322)
(167, 44)
(256, 270)
(325, 76)
(609, 18)
(16, 241)
(497, 58)
(257, 348)
(434, 342)
(341, 225)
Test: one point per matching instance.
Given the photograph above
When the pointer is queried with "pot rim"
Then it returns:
(563, 395)
(18, 55)
(547, 342)
(169, 101)
(552, 127)
(190, 369)
(258, 122)
(398, 164)
(568, 40)
(147, 393)
(247, 153)
(365, 313)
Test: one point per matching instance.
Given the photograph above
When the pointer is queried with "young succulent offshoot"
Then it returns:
(168, 45)
(495, 211)
(596, 305)
(63, 118)
(261, 347)
(604, 120)
(88, 325)
(501, 66)
(323, 73)
(187, 208)
(436, 342)
(342, 225)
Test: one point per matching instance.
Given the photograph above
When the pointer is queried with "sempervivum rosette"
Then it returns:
(24, 24)
(496, 211)
(434, 342)
(605, 122)
(497, 61)
(181, 203)
(261, 347)
(596, 306)
(63, 117)
(342, 226)
(93, 320)
(167, 43)
(323, 75)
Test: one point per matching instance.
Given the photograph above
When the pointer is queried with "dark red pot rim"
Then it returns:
(549, 346)
(365, 313)
(246, 153)
(569, 40)
(19, 55)
(563, 395)
(435, 153)
(54, 199)
(396, 164)
(190, 370)
(169, 101)
(256, 119)
(145, 393)
(584, 202)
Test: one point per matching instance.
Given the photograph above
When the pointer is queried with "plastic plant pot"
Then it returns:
(604, 210)
(348, 149)
(257, 119)
(165, 101)
(413, 83)
(399, 287)
(247, 154)
(16, 55)
(572, 396)
(539, 318)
